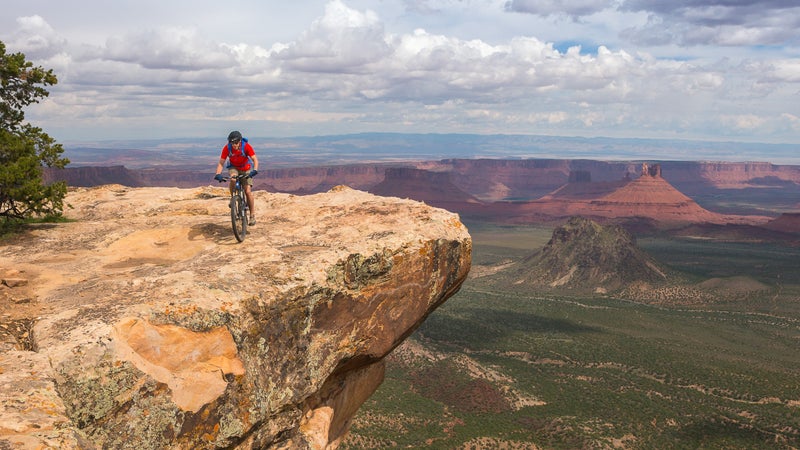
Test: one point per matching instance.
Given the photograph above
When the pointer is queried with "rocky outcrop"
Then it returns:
(152, 328)
(653, 197)
(583, 255)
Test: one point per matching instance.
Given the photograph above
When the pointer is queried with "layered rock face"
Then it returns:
(152, 328)
(489, 180)
(648, 196)
(434, 188)
(493, 180)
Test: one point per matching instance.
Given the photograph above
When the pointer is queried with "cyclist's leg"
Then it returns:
(231, 179)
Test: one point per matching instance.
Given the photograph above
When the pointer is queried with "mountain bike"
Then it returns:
(238, 207)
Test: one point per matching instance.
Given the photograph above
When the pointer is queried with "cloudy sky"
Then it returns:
(722, 70)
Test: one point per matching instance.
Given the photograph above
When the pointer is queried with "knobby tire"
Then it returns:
(238, 217)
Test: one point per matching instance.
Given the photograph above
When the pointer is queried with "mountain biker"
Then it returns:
(239, 152)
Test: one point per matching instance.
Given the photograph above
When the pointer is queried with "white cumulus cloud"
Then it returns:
(585, 67)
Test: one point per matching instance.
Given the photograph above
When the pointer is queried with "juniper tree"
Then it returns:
(24, 148)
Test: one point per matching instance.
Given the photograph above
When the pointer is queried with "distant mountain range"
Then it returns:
(394, 147)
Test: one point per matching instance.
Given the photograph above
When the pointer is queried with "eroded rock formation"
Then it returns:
(433, 188)
(153, 328)
(584, 255)
(648, 196)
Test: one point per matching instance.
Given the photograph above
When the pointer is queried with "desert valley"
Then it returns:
(608, 303)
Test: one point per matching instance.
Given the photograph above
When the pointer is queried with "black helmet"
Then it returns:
(234, 136)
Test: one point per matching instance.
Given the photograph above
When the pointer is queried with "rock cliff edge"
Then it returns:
(148, 326)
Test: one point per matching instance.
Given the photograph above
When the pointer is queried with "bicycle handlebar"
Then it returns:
(240, 177)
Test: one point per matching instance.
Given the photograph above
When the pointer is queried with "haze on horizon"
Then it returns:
(709, 70)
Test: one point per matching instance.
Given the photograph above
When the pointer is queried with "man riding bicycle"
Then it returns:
(239, 152)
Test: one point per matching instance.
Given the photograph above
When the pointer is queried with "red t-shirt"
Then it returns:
(238, 160)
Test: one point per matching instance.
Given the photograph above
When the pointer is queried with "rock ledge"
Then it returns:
(153, 328)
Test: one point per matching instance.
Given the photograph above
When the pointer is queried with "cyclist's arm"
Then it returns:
(255, 161)
(220, 165)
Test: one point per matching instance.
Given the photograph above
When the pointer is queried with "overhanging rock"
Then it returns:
(155, 329)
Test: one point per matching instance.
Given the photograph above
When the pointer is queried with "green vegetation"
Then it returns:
(768, 262)
(511, 367)
(24, 149)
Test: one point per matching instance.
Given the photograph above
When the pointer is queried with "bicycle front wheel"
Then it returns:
(238, 217)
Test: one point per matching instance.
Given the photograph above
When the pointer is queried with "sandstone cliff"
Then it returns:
(528, 179)
(433, 188)
(143, 324)
(486, 179)
(649, 196)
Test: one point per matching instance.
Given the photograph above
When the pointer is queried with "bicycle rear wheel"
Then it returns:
(238, 217)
